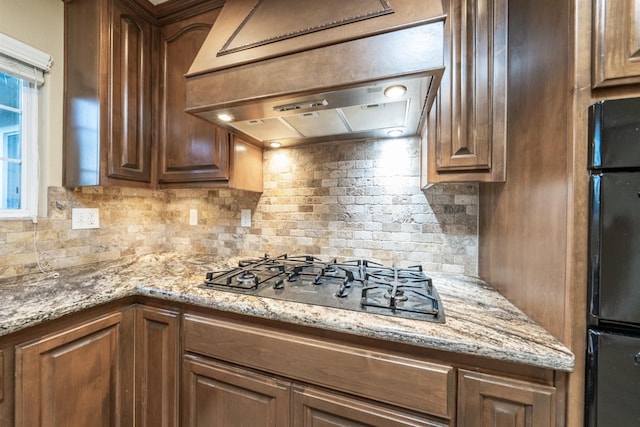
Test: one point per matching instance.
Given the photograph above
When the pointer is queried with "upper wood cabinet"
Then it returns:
(616, 42)
(108, 89)
(118, 58)
(465, 134)
(192, 151)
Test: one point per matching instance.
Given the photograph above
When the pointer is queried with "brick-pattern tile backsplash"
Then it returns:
(344, 199)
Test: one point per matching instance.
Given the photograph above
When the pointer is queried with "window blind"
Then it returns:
(23, 61)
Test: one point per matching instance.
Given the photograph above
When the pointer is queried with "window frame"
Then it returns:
(28, 64)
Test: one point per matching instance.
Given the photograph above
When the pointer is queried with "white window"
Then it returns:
(22, 70)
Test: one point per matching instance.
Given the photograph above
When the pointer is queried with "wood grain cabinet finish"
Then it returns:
(191, 149)
(313, 407)
(108, 90)
(6, 387)
(74, 377)
(124, 121)
(465, 135)
(488, 400)
(157, 366)
(616, 42)
(411, 383)
(222, 395)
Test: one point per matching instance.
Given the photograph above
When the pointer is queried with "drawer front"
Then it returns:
(410, 383)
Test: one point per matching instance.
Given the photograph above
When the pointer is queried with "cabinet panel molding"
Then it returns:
(157, 365)
(218, 394)
(465, 135)
(129, 153)
(408, 382)
(191, 149)
(616, 42)
(108, 91)
(313, 407)
(72, 377)
(489, 400)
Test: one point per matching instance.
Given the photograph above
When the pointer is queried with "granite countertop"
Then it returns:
(479, 321)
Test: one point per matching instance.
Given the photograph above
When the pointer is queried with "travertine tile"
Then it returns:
(334, 199)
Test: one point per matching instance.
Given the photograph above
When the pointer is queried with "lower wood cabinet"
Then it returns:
(6, 386)
(313, 407)
(157, 366)
(221, 395)
(366, 387)
(74, 377)
(488, 400)
(147, 365)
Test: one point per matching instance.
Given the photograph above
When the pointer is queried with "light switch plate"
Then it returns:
(245, 218)
(83, 218)
(193, 217)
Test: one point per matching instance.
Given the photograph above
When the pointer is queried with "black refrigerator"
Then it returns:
(613, 335)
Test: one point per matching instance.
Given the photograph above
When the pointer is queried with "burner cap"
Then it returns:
(400, 295)
(247, 277)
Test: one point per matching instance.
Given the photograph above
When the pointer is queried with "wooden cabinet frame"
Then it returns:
(616, 43)
(148, 348)
(465, 136)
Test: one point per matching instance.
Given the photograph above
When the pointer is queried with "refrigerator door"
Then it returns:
(615, 248)
(613, 380)
(614, 134)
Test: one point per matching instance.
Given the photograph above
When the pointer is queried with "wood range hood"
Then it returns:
(296, 72)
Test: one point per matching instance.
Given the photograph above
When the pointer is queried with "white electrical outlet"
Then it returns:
(193, 217)
(245, 218)
(82, 218)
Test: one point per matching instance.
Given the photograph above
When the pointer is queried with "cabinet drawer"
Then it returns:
(411, 383)
(314, 407)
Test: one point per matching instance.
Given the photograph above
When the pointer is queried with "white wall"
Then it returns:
(40, 23)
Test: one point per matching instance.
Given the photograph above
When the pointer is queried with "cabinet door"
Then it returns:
(108, 84)
(616, 42)
(157, 366)
(129, 112)
(313, 407)
(71, 378)
(6, 387)
(492, 401)
(466, 128)
(191, 149)
(221, 395)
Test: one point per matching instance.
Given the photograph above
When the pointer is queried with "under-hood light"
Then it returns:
(395, 132)
(275, 145)
(225, 117)
(395, 91)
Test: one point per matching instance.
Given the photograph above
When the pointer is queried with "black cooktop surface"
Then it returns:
(358, 285)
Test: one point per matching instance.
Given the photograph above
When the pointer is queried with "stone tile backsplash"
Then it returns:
(344, 199)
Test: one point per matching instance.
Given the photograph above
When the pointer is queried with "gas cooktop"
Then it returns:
(358, 285)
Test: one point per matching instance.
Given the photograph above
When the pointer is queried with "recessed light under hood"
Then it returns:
(298, 72)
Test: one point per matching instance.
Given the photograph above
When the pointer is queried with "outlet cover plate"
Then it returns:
(245, 218)
(84, 218)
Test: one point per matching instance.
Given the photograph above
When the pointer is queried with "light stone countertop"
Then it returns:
(479, 321)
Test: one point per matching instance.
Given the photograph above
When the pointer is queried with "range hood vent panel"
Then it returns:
(329, 57)
(318, 123)
(265, 23)
(377, 116)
